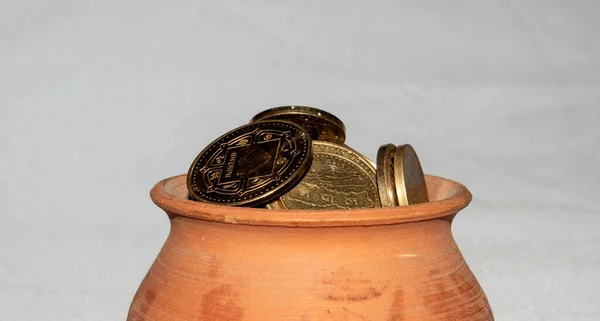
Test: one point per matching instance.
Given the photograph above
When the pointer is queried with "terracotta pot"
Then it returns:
(234, 263)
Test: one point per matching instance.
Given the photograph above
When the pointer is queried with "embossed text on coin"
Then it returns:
(251, 165)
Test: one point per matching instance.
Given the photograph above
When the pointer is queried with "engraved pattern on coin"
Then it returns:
(319, 124)
(251, 164)
(339, 178)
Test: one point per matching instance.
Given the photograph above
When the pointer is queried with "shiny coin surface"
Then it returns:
(251, 165)
(320, 124)
(409, 177)
(339, 178)
(385, 175)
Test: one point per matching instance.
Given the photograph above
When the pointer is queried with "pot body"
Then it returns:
(210, 269)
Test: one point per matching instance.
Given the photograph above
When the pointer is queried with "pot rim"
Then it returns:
(448, 197)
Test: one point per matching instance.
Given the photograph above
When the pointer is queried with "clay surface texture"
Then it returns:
(235, 263)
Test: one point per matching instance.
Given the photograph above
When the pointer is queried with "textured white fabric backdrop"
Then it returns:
(101, 99)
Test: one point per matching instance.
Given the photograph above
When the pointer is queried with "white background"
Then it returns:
(101, 99)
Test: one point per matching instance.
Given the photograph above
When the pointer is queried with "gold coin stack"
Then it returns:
(295, 157)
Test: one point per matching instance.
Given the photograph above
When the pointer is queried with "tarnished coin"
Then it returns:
(339, 178)
(409, 177)
(251, 165)
(320, 124)
(385, 175)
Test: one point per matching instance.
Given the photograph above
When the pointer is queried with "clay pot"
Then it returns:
(234, 263)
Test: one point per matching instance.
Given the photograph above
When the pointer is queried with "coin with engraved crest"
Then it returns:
(339, 178)
(408, 177)
(385, 175)
(251, 165)
(320, 124)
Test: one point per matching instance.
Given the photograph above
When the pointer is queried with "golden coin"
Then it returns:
(385, 175)
(251, 165)
(409, 177)
(339, 178)
(320, 124)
